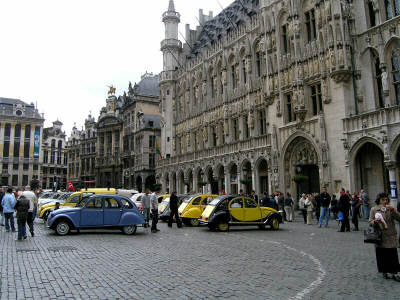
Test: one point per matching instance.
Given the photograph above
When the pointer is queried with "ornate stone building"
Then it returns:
(283, 95)
(109, 143)
(74, 162)
(141, 132)
(88, 140)
(21, 129)
(54, 165)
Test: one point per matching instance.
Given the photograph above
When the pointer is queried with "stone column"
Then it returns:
(393, 183)
(227, 178)
(255, 186)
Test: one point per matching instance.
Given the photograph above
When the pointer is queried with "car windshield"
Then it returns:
(83, 202)
(45, 196)
(165, 201)
(64, 197)
(215, 202)
(188, 199)
(56, 196)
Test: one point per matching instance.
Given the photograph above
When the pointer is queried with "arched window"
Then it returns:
(392, 8)
(234, 72)
(371, 14)
(53, 144)
(378, 80)
(243, 66)
(213, 85)
(396, 73)
(258, 59)
(284, 34)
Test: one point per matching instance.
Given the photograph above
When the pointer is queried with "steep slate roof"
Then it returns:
(12, 101)
(156, 119)
(225, 21)
(148, 86)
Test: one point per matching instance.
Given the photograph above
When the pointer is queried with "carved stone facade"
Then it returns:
(268, 90)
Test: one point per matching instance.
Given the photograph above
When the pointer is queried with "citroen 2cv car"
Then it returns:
(97, 212)
(192, 207)
(226, 211)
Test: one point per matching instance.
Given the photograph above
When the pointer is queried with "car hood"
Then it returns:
(63, 210)
(182, 207)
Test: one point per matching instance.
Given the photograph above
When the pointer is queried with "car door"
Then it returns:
(236, 209)
(252, 212)
(204, 203)
(92, 213)
(112, 212)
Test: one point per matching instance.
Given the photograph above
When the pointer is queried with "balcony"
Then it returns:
(171, 43)
(372, 120)
(166, 76)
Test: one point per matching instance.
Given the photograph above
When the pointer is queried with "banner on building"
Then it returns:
(36, 143)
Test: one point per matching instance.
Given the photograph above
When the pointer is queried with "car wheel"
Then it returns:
(129, 230)
(274, 224)
(222, 226)
(261, 227)
(195, 222)
(63, 228)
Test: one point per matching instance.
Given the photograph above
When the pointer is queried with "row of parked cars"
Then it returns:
(218, 212)
(105, 208)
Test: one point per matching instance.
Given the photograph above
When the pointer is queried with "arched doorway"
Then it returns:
(370, 173)
(189, 182)
(181, 183)
(246, 179)
(150, 182)
(262, 176)
(301, 168)
(233, 172)
(139, 184)
(213, 184)
(221, 179)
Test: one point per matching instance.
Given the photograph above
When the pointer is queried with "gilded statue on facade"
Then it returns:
(111, 90)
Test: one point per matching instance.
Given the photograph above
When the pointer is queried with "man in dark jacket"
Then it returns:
(325, 200)
(317, 205)
(344, 208)
(173, 206)
(22, 207)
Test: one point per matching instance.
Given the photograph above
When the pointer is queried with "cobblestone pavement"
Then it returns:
(296, 262)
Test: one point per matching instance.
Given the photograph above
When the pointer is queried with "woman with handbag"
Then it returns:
(384, 216)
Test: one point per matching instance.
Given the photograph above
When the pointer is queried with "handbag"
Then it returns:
(373, 235)
(340, 216)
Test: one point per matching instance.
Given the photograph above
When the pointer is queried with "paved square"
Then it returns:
(296, 262)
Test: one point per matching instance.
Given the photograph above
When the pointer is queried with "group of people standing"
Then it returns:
(25, 204)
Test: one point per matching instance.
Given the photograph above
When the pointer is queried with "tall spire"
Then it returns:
(171, 6)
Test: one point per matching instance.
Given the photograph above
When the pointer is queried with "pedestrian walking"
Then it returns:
(28, 194)
(317, 205)
(344, 208)
(265, 200)
(22, 206)
(355, 205)
(2, 192)
(334, 207)
(302, 207)
(384, 216)
(288, 205)
(365, 204)
(281, 204)
(154, 211)
(146, 207)
(309, 206)
(325, 200)
(8, 203)
(254, 196)
(173, 206)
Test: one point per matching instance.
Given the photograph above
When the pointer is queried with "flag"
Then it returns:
(70, 186)
(158, 150)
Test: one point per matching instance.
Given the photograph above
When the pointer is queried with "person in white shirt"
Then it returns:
(154, 211)
(28, 194)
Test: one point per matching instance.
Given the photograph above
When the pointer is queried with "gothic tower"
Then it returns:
(171, 48)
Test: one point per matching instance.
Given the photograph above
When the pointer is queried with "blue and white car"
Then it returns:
(98, 212)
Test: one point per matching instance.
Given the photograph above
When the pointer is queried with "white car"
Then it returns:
(137, 199)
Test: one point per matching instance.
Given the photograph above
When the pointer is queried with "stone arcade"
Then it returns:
(283, 95)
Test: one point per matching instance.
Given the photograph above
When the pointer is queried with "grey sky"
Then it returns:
(62, 54)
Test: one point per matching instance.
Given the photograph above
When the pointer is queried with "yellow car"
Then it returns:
(226, 211)
(73, 200)
(192, 207)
